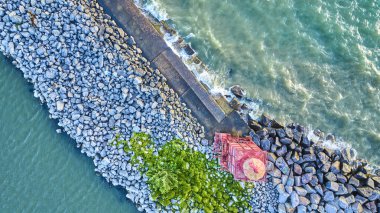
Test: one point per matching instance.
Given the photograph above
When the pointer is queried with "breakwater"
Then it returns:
(95, 81)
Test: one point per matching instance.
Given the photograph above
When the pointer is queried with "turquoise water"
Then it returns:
(42, 171)
(311, 62)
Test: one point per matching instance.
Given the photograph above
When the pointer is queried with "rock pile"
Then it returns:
(96, 83)
(312, 178)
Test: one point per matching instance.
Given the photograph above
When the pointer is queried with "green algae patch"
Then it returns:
(181, 176)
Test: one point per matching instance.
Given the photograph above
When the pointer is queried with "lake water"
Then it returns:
(42, 171)
(312, 62)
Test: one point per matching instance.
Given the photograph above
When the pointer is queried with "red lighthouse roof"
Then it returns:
(241, 157)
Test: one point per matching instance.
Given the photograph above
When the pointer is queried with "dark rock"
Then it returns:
(285, 141)
(265, 120)
(255, 138)
(305, 142)
(262, 133)
(272, 133)
(190, 51)
(237, 91)
(365, 191)
(254, 125)
(281, 151)
(265, 144)
(333, 186)
(276, 125)
(235, 104)
(280, 133)
(306, 178)
(281, 164)
(297, 136)
(328, 196)
(330, 137)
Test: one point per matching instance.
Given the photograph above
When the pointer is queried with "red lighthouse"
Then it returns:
(241, 157)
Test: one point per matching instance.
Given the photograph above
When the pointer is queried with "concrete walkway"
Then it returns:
(214, 114)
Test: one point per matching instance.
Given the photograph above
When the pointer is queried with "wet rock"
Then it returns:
(276, 125)
(265, 120)
(305, 142)
(237, 91)
(254, 125)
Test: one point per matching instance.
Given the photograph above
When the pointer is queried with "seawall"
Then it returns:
(214, 114)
